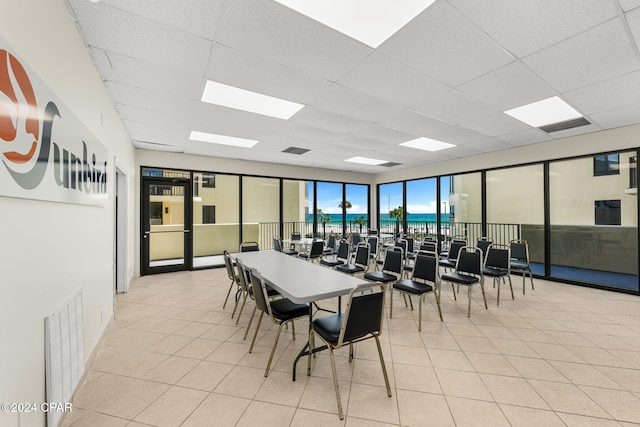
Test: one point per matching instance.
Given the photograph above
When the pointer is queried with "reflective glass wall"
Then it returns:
(357, 208)
(260, 210)
(297, 207)
(391, 208)
(462, 201)
(422, 206)
(329, 209)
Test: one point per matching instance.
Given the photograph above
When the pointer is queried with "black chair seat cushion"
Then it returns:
(451, 263)
(408, 267)
(463, 279)
(283, 309)
(328, 328)
(331, 262)
(289, 251)
(494, 272)
(520, 265)
(380, 276)
(349, 268)
(380, 261)
(412, 287)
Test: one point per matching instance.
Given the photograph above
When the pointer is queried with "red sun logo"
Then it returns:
(18, 109)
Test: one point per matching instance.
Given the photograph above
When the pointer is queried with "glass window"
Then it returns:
(582, 248)
(357, 208)
(297, 205)
(421, 207)
(329, 209)
(260, 210)
(390, 208)
(462, 196)
(608, 164)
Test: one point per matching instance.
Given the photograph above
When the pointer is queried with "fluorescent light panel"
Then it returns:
(221, 139)
(246, 100)
(369, 21)
(366, 161)
(545, 112)
(427, 144)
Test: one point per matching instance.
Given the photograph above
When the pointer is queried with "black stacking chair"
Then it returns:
(249, 246)
(331, 248)
(316, 251)
(277, 246)
(424, 280)
(391, 269)
(452, 255)
(342, 257)
(429, 246)
(468, 272)
(484, 243)
(360, 263)
(280, 311)
(373, 247)
(232, 276)
(361, 320)
(497, 265)
(520, 260)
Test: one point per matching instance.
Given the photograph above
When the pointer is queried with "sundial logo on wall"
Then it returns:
(45, 151)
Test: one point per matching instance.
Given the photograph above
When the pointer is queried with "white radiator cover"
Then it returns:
(64, 354)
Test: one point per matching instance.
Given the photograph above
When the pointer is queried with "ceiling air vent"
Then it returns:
(567, 124)
(295, 150)
(390, 164)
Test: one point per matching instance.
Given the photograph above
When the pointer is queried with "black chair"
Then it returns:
(331, 247)
(520, 260)
(360, 263)
(497, 265)
(232, 276)
(424, 280)
(277, 246)
(429, 246)
(249, 247)
(373, 247)
(280, 311)
(316, 251)
(452, 255)
(361, 320)
(468, 272)
(373, 232)
(459, 239)
(484, 243)
(342, 257)
(391, 269)
(296, 236)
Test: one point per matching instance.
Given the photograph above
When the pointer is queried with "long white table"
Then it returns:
(300, 281)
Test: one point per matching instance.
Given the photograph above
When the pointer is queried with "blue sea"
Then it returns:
(411, 217)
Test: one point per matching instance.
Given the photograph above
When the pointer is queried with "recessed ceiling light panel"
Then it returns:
(369, 21)
(427, 144)
(221, 139)
(545, 112)
(246, 100)
(366, 161)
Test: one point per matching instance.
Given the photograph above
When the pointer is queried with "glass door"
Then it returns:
(166, 225)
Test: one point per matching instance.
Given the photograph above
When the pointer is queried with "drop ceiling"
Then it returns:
(448, 74)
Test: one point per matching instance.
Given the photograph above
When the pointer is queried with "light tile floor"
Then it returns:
(560, 355)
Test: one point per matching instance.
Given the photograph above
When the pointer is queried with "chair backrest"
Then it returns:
(331, 243)
(470, 260)
(393, 260)
(249, 247)
(519, 250)
(363, 314)
(343, 250)
(229, 265)
(355, 238)
(243, 276)
(402, 244)
(484, 244)
(498, 256)
(426, 266)
(362, 254)
(373, 232)
(276, 245)
(373, 245)
(410, 244)
(428, 246)
(296, 235)
(454, 249)
(317, 248)
(259, 291)
(430, 239)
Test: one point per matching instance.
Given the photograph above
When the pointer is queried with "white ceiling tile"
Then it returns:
(386, 135)
(633, 18)
(362, 143)
(445, 45)
(311, 133)
(524, 27)
(381, 76)
(142, 38)
(235, 68)
(608, 95)
(628, 5)
(593, 127)
(616, 118)
(495, 125)
(200, 18)
(326, 120)
(270, 30)
(490, 144)
(601, 53)
(508, 87)
(458, 135)
(413, 123)
(455, 108)
(525, 137)
(349, 102)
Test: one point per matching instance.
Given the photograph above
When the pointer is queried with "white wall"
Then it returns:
(49, 250)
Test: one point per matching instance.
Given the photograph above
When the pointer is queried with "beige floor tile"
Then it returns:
(416, 378)
(567, 398)
(266, 414)
(629, 379)
(462, 384)
(205, 376)
(241, 381)
(199, 348)
(536, 369)
(193, 329)
(476, 344)
(583, 374)
(370, 372)
(170, 344)
(373, 403)
(423, 409)
(513, 391)
(450, 359)
(229, 352)
(407, 338)
(94, 419)
(408, 355)
(320, 395)
(441, 341)
(622, 405)
(472, 413)
(573, 420)
(225, 410)
(172, 408)
(513, 348)
(132, 400)
(307, 418)
(140, 365)
(171, 369)
(528, 417)
(280, 389)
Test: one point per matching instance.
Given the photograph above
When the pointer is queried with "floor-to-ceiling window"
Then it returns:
(515, 209)
(421, 207)
(297, 207)
(461, 197)
(260, 210)
(593, 220)
(391, 208)
(329, 208)
(357, 207)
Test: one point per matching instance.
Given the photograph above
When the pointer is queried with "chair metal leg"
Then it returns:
(453, 287)
(228, 293)
(469, 303)
(244, 301)
(246, 332)
(410, 301)
(238, 297)
(391, 303)
(420, 298)
(484, 297)
(511, 286)
(255, 334)
(494, 285)
(312, 345)
(438, 303)
(273, 350)
(335, 382)
(293, 329)
(384, 368)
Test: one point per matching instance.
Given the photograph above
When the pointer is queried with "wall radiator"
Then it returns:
(64, 354)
